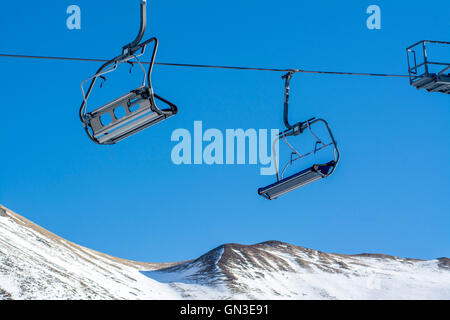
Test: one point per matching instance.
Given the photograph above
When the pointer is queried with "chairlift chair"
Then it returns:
(420, 74)
(310, 174)
(105, 125)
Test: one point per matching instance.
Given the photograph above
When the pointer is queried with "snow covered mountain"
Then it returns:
(36, 264)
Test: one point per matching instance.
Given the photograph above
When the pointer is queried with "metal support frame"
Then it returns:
(431, 81)
(287, 77)
(146, 114)
(133, 47)
(311, 174)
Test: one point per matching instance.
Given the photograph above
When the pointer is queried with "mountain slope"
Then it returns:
(36, 264)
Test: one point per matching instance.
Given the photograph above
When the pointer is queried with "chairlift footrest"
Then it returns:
(433, 83)
(300, 179)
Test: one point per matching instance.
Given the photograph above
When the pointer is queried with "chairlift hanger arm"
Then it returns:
(133, 46)
(287, 78)
(296, 128)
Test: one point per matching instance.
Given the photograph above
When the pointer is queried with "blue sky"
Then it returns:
(390, 193)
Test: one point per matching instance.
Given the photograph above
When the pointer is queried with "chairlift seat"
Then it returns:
(295, 181)
(422, 74)
(134, 111)
(140, 112)
(433, 83)
(311, 174)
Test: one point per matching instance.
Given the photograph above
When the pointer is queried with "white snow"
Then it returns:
(367, 278)
(36, 264)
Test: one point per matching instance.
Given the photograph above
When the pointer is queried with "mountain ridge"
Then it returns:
(38, 264)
